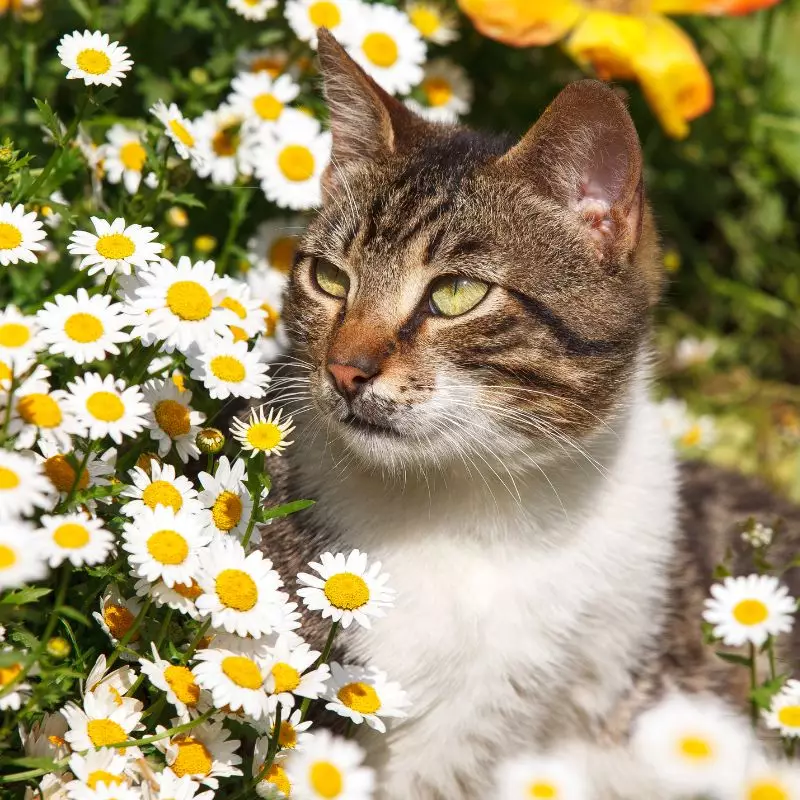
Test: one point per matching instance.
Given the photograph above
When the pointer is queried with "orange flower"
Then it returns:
(625, 39)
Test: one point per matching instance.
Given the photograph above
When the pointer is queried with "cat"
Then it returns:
(470, 366)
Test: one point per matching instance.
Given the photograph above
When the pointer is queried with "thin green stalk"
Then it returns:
(9, 402)
(210, 464)
(255, 494)
(773, 670)
(269, 759)
(201, 632)
(323, 659)
(64, 506)
(157, 737)
(753, 686)
(162, 631)
(128, 635)
(242, 198)
(31, 773)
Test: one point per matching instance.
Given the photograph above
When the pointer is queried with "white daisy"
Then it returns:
(263, 434)
(41, 414)
(125, 157)
(115, 247)
(7, 370)
(364, 695)
(164, 544)
(260, 99)
(173, 422)
(539, 777)
(252, 318)
(179, 129)
(223, 145)
(21, 235)
(45, 739)
(290, 674)
(290, 160)
(784, 712)
(693, 352)
(20, 338)
(61, 468)
(305, 17)
(433, 20)
(117, 615)
(179, 683)
(119, 680)
(695, 745)
(171, 787)
(749, 609)
(180, 596)
(437, 115)
(23, 486)
(347, 589)
(94, 58)
(273, 248)
(106, 407)
(235, 680)
(226, 498)
(272, 60)
(179, 305)
(74, 537)
(105, 766)
(384, 42)
(241, 592)
(103, 791)
(162, 486)
(686, 429)
(104, 721)
(254, 10)
(770, 781)
(329, 768)
(274, 783)
(293, 733)
(229, 369)
(13, 698)
(205, 753)
(446, 86)
(83, 328)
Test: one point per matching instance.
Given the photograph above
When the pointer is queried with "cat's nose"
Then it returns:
(353, 376)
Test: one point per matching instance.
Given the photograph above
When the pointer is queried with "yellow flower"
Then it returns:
(620, 39)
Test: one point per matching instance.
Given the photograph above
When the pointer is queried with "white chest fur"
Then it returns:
(518, 620)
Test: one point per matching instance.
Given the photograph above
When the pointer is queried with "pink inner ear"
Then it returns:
(594, 205)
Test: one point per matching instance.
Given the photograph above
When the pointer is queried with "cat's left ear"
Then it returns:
(584, 153)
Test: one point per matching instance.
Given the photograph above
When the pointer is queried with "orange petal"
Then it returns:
(608, 42)
(523, 23)
(710, 7)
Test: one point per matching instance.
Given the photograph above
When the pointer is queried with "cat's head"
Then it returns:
(460, 294)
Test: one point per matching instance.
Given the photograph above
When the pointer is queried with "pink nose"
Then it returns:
(351, 378)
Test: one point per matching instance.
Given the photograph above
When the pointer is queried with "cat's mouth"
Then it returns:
(373, 428)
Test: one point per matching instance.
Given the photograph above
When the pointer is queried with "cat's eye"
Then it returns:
(331, 279)
(452, 295)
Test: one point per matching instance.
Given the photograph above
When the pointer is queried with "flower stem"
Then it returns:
(753, 686)
(157, 737)
(201, 632)
(255, 493)
(323, 659)
(9, 403)
(242, 198)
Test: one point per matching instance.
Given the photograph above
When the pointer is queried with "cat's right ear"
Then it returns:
(367, 123)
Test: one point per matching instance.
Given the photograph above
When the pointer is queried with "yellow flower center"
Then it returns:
(83, 328)
(105, 732)
(267, 106)
(236, 589)
(61, 474)
(118, 619)
(40, 410)
(296, 162)
(133, 156)
(181, 681)
(234, 305)
(8, 478)
(173, 418)
(191, 591)
(750, 612)
(380, 49)
(10, 236)
(272, 66)
(9, 673)
(101, 776)
(105, 406)
(264, 435)
(14, 334)
(695, 748)
(767, 790)
(225, 143)
(5, 372)
(325, 779)
(360, 697)
(281, 253)
(162, 493)
(286, 678)
(193, 757)
(228, 369)
(425, 20)
(243, 672)
(271, 320)
(168, 547)
(115, 245)
(71, 535)
(324, 14)
(438, 91)
(56, 741)
(189, 300)
(239, 334)
(287, 736)
(542, 790)
(181, 133)
(346, 591)
(789, 716)
(95, 62)
(227, 511)
(692, 437)
(276, 775)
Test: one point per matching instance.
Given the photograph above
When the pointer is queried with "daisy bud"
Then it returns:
(210, 441)
(198, 76)
(177, 217)
(146, 460)
(205, 244)
(58, 647)
(6, 154)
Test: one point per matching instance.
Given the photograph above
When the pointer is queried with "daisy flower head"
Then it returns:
(61, 468)
(179, 683)
(686, 429)
(115, 247)
(180, 130)
(329, 768)
(229, 369)
(749, 609)
(23, 486)
(76, 538)
(305, 17)
(273, 249)
(444, 116)
(274, 783)
(94, 58)
(226, 498)
(263, 434)
(290, 674)
(241, 592)
(261, 99)
(383, 41)
(96, 767)
(272, 60)
(125, 157)
(252, 316)
(106, 407)
(45, 738)
(784, 712)
(104, 721)
(532, 777)
(117, 614)
(84, 328)
(346, 589)
(290, 160)
(205, 753)
(770, 781)
(693, 745)
(118, 680)
(364, 695)
(222, 145)
(253, 10)
(435, 23)
(235, 680)
(446, 86)
(164, 545)
(20, 339)
(171, 787)
(178, 304)
(13, 697)
(40, 414)
(294, 732)
(161, 487)
(180, 596)
(173, 422)
(21, 235)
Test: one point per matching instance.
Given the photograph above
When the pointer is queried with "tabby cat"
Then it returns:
(471, 328)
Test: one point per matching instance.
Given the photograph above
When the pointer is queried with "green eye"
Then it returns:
(452, 295)
(331, 279)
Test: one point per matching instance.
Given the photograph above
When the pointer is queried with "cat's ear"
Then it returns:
(367, 123)
(584, 153)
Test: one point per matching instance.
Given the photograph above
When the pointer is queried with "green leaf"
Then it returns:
(134, 10)
(75, 615)
(34, 763)
(28, 594)
(24, 638)
(49, 118)
(82, 10)
(762, 696)
(265, 480)
(287, 508)
(733, 658)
